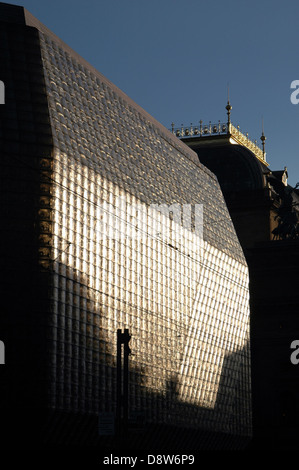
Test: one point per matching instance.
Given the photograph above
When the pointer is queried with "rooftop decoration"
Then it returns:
(223, 129)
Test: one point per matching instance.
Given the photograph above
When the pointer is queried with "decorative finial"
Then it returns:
(263, 138)
(228, 106)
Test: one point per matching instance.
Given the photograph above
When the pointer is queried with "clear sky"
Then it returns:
(176, 57)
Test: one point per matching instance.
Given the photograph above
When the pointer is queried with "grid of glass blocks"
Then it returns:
(120, 263)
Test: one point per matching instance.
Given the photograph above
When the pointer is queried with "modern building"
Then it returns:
(265, 212)
(109, 222)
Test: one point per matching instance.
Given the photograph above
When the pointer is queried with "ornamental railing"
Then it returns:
(200, 130)
(221, 128)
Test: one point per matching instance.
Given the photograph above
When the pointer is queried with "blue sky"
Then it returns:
(175, 59)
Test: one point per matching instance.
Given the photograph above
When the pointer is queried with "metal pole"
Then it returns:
(118, 384)
(122, 385)
(126, 338)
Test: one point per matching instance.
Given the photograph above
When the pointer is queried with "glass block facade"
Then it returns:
(134, 233)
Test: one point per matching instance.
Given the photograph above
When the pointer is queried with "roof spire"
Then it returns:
(228, 108)
(263, 138)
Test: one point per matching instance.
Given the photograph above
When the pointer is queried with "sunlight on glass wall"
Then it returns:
(119, 261)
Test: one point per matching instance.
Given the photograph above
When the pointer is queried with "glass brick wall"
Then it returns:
(182, 292)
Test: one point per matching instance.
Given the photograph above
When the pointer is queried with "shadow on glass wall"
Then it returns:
(60, 377)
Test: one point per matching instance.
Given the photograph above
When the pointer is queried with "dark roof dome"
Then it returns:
(235, 166)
